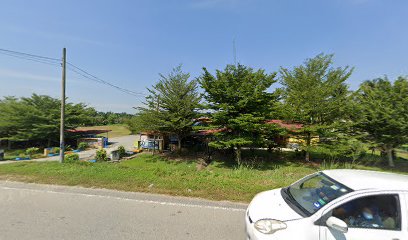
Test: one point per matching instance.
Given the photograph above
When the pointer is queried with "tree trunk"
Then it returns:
(49, 142)
(390, 157)
(238, 155)
(9, 144)
(179, 144)
(308, 143)
(154, 144)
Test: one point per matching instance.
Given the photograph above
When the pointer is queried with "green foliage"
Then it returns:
(382, 114)
(38, 117)
(71, 158)
(239, 102)
(55, 150)
(82, 146)
(122, 151)
(170, 106)
(101, 155)
(31, 151)
(316, 95)
(110, 118)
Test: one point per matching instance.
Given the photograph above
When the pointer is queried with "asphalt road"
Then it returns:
(33, 211)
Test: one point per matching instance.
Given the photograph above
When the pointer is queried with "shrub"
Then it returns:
(122, 151)
(101, 155)
(71, 158)
(82, 146)
(31, 151)
(55, 150)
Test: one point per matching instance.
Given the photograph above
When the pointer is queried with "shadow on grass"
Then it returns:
(263, 160)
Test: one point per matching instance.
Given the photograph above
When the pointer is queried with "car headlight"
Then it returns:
(269, 226)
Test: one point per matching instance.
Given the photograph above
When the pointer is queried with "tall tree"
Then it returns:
(316, 95)
(383, 113)
(37, 117)
(171, 105)
(239, 103)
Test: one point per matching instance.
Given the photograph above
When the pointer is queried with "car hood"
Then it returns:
(271, 205)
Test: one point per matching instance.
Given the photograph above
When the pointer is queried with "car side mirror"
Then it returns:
(337, 224)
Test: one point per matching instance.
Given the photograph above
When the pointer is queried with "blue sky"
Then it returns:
(129, 43)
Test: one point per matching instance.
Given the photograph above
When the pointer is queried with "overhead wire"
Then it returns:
(28, 54)
(91, 77)
(31, 58)
(58, 62)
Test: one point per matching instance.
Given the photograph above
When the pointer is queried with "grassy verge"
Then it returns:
(148, 173)
(117, 130)
(15, 153)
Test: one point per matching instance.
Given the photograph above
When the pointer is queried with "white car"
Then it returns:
(333, 204)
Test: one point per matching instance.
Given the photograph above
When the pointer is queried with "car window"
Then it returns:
(376, 212)
(315, 191)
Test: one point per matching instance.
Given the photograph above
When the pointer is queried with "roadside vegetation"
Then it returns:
(313, 104)
(220, 180)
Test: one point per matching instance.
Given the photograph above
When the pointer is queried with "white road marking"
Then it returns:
(130, 199)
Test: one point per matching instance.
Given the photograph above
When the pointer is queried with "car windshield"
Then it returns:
(315, 191)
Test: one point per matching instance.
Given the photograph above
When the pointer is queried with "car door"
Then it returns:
(376, 216)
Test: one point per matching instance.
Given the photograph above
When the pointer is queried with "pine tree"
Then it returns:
(171, 106)
(383, 113)
(239, 103)
(316, 95)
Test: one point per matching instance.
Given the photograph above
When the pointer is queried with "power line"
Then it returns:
(71, 67)
(89, 76)
(34, 59)
(29, 55)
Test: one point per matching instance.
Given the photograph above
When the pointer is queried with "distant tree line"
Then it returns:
(239, 101)
(37, 118)
(109, 118)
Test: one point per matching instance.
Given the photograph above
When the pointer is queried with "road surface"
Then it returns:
(126, 141)
(34, 211)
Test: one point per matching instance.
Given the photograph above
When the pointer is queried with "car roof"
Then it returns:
(363, 179)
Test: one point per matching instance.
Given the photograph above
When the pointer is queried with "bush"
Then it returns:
(82, 146)
(71, 158)
(55, 150)
(122, 151)
(101, 156)
(31, 151)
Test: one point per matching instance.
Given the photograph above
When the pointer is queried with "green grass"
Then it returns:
(118, 130)
(154, 174)
(15, 153)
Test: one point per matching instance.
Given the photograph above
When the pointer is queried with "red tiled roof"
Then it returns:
(281, 123)
(88, 131)
(210, 131)
(287, 125)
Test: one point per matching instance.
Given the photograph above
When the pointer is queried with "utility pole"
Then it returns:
(62, 143)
